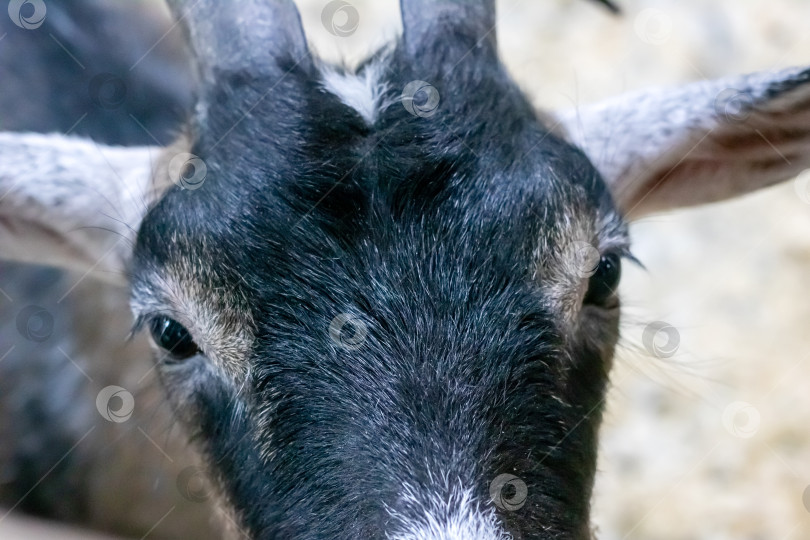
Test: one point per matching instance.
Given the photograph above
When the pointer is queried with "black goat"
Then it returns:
(380, 297)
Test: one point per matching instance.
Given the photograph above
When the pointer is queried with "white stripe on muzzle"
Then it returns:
(434, 517)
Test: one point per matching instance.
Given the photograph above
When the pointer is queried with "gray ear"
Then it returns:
(660, 149)
(69, 202)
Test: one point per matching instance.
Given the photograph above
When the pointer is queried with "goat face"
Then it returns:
(388, 322)
(385, 294)
(384, 300)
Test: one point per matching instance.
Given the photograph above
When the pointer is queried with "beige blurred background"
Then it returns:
(730, 278)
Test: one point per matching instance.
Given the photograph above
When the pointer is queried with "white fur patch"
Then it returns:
(364, 92)
(459, 517)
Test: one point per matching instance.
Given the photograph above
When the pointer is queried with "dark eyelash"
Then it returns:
(142, 320)
(625, 253)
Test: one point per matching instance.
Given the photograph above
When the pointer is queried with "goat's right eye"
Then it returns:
(603, 284)
(172, 337)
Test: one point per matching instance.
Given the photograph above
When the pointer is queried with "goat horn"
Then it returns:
(232, 35)
(422, 18)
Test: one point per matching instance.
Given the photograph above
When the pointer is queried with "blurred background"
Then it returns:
(708, 439)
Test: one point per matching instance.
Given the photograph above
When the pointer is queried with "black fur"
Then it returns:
(427, 230)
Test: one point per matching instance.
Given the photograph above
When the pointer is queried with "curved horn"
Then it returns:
(422, 19)
(231, 35)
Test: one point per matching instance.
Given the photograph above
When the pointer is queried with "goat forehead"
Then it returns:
(227, 287)
(215, 252)
(221, 235)
(285, 191)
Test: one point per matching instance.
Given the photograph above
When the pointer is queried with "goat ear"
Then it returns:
(708, 141)
(68, 202)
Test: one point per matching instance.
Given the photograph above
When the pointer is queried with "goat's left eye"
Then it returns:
(172, 337)
(604, 282)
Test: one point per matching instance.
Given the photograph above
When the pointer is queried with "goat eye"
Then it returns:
(172, 337)
(604, 282)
